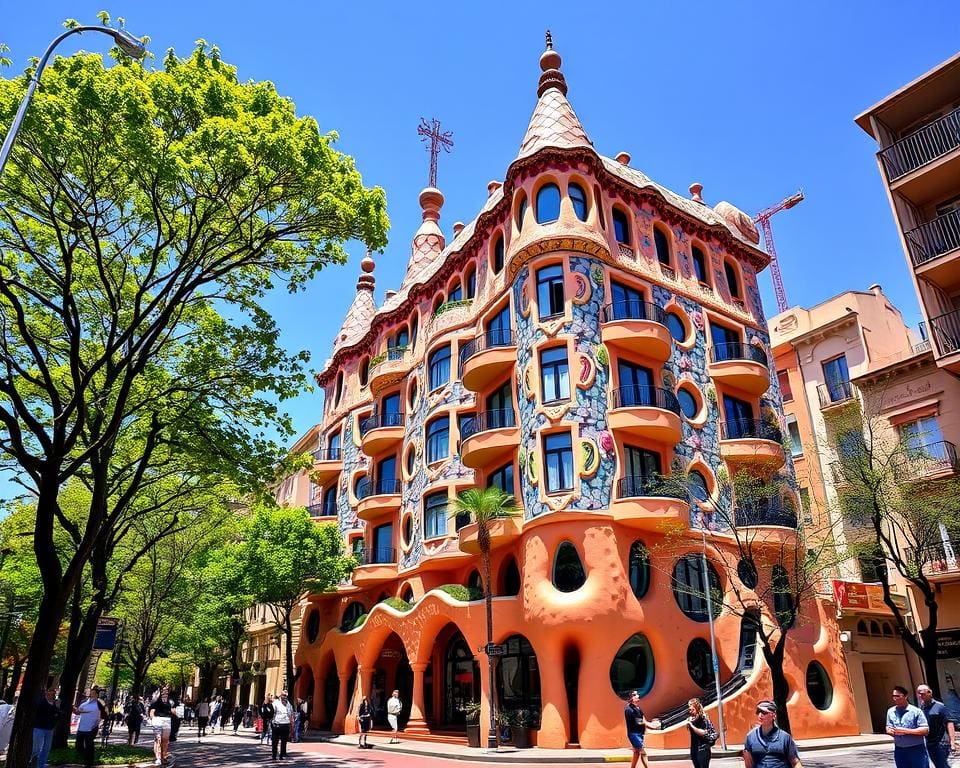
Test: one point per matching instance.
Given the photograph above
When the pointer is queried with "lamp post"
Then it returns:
(124, 40)
(713, 643)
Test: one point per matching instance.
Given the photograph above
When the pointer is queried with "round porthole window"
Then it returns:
(688, 403)
(568, 573)
(688, 588)
(633, 667)
(700, 662)
(676, 326)
(697, 486)
(819, 687)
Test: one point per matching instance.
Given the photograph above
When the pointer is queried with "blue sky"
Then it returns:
(752, 100)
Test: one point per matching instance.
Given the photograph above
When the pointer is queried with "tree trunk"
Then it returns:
(781, 688)
(288, 631)
(14, 678)
(83, 631)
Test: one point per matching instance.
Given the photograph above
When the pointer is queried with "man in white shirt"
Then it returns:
(89, 711)
(282, 720)
(394, 706)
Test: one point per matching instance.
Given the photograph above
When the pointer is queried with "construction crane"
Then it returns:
(762, 220)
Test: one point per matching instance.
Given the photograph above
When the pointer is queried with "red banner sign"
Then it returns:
(856, 596)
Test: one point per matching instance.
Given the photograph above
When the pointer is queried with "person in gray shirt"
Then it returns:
(941, 735)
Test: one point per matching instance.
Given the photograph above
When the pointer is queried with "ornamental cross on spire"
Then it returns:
(431, 133)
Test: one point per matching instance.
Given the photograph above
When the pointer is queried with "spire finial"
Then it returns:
(366, 281)
(552, 77)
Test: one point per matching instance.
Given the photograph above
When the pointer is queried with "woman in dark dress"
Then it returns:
(365, 716)
(700, 729)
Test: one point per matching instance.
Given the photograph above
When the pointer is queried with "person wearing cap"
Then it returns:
(940, 738)
(908, 726)
(89, 712)
(637, 726)
(768, 746)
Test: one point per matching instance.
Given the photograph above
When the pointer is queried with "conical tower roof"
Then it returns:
(361, 312)
(554, 123)
(428, 242)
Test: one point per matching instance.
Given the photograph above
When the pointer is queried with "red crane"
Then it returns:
(763, 221)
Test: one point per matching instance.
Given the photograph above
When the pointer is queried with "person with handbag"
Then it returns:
(702, 734)
(365, 716)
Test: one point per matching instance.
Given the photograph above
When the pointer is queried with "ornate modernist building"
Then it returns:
(589, 332)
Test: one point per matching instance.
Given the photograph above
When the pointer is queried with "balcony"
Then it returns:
(487, 358)
(930, 243)
(647, 412)
(381, 431)
(941, 561)
(487, 436)
(327, 464)
(932, 148)
(502, 530)
(741, 366)
(322, 509)
(638, 327)
(772, 516)
(834, 394)
(931, 461)
(945, 331)
(751, 441)
(388, 369)
(650, 503)
(376, 566)
(377, 498)
(450, 315)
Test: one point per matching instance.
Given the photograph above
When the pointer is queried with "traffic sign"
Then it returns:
(492, 649)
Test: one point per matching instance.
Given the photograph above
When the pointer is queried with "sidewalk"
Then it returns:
(563, 756)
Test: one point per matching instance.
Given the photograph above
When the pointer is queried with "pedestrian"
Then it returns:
(702, 734)
(48, 713)
(176, 714)
(768, 746)
(248, 716)
(203, 716)
(266, 714)
(89, 712)
(225, 711)
(135, 713)
(394, 705)
(161, 712)
(365, 716)
(295, 727)
(637, 726)
(215, 713)
(908, 726)
(940, 738)
(304, 717)
(237, 718)
(282, 718)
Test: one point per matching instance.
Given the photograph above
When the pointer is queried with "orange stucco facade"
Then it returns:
(589, 331)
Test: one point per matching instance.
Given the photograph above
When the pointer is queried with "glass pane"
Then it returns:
(548, 203)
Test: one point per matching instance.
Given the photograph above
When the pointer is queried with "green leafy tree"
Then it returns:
(287, 557)
(899, 502)
(483, 506)
(136, 204)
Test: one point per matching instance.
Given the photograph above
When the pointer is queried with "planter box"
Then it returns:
(473, 735)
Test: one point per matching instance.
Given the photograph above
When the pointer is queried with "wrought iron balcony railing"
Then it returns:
(379, 487)
(323, 509)
(942, 557)
(922, 146)
(497, 337)
(934, 238)
(502, 418)
(634, 309)
(644, 396)
(377, 420)
(749, 429)
(928, 459)
(834, 392)
(326, 454)
(647, 485)
(946, 332)
(785, 518)
(376, 556)
(737, 350)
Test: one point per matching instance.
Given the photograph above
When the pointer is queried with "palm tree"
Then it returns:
(484, 505)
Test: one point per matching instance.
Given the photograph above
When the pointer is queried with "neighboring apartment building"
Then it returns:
(918, 131)
(821, 353)
(589, 332)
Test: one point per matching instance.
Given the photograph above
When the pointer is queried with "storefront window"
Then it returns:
(518, 679)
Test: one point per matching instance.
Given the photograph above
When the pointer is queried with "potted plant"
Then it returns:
(520, 722)
(471, 712)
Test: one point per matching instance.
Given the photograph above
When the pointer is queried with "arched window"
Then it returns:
(414, 327)
(578, 199)
(471, 283)
(697, 484)
(338, 393)
(364, 371)
(733, 283)
(435, 515)
(521, 211)
(518, 679)
(456, 292)
(639, 569)
(862, 628)
(439, 365)
(596, 196)
(475, 584)
(313, 626)
(819, 687)
(358, 484)
(568, 573)
(408, 530)
(688, 588)
(411, 460)
(662, 245)
(498, 255)
(407, 594)
(633, 667)
(699, 264)
(621, 227)
(548, 203)
(438, 439)
(783, 597)
(700, 662)
(353, 612)
(510, 577)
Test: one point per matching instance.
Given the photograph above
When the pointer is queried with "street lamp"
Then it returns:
(124, 40)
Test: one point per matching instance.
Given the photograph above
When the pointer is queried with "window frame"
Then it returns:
(621, 226)
(584, 213)
(563, 456)
(435, 505)
(549, 186)
(560, 371)
(431, 436)
(553, 289)
(436, 357)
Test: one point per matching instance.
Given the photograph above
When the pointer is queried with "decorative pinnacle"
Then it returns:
(366, 281)
(552, 77)
(549, 41)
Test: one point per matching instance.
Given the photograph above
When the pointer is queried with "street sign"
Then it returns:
(106, 636)
(492, 649)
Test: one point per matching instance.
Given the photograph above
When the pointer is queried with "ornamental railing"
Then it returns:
(922, 146)
(377, 420)
(495, 337)
(379, 487)
(646, 485)
(934, 238)
(644, 396)
(946, 332)
(634, 309)
(737, 350)
(834, 393)
(750, 429)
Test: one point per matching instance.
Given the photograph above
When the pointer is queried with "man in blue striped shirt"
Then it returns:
(908, 726)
